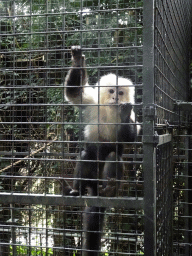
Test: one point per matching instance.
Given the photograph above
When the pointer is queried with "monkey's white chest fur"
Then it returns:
(104, 124)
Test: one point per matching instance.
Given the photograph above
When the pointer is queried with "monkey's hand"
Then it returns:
(77, 75)
(125, 111)
(78, 58)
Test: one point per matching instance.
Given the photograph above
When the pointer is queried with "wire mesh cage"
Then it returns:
(43, 137)
(172, 22)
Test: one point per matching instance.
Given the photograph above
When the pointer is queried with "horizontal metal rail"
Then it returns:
(24, 198)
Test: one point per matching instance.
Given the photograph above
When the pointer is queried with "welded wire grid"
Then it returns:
(172, 37)
(40, 134)
(164, 197)
(182, 194)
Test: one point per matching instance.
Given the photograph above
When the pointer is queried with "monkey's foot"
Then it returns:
(66, 188)
(74, 192)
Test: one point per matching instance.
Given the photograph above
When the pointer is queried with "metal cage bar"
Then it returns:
(149, 166)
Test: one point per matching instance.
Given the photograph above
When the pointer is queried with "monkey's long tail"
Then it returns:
(93, 220)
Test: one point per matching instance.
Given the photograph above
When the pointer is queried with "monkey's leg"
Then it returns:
(93, 218)
(85, 174)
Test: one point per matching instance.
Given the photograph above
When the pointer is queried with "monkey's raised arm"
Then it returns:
(77, 76)
(77, 90)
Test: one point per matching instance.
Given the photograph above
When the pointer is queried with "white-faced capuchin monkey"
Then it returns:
(107, 112)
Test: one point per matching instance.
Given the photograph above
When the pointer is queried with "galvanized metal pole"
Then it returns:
(149, 160)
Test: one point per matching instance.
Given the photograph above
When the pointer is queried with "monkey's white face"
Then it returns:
(113, 95)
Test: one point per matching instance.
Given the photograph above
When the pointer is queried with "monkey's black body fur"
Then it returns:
(109, 155)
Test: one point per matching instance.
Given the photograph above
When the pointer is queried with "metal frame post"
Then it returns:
(149, 149)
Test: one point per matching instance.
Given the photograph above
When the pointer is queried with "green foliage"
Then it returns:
(24, 250)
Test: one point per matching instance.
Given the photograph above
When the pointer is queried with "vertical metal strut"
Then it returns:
(148, 130)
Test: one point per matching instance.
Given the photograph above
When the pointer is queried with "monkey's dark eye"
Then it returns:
(121, 92)
(111, 91)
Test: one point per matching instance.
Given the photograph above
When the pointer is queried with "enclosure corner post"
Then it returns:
(149, 150)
